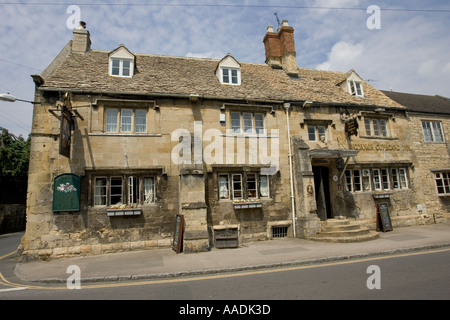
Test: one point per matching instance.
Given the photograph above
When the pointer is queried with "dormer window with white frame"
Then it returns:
(355, 88)
(229, 71)
(352, 83)
(121, 63)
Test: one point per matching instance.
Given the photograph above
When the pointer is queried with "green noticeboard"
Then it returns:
(66, 193)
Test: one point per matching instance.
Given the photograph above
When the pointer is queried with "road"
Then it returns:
(418, 275)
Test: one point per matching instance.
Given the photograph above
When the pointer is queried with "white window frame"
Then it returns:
(376, 127)
(149, 190)
(355, 88)
(442, 181)
(264, 187)
(233, 185)
(100, 191)
(432, 136)
(227, 183)
(122, 68)
(316, 132)
(399, 178)
(224, 186)
(249, 123)
(116, 120)
(133, 189)
(248, 189)
(231, 76)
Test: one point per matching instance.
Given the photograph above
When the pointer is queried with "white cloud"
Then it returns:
(409, 53)
(342, 57)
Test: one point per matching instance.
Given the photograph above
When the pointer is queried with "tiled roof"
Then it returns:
(421, 103)
(181, 75)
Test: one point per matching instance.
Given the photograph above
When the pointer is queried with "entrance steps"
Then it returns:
(343, 230)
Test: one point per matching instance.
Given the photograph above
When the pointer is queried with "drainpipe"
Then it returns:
(287, 106)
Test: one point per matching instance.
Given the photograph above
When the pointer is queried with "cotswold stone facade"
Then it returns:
(242, 151)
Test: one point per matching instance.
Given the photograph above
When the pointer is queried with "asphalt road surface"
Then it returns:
(418, 275)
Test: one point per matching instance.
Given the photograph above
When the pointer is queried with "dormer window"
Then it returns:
(355, 88)
(231, 76)
(228, 71)
(121, 67)
(121, 63)
(352, 83)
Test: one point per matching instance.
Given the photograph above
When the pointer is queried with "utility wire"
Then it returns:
(223, 6)
(18, 64)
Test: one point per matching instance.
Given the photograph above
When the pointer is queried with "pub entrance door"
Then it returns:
(322, 188)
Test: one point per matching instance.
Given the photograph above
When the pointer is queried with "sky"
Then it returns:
(402, 47)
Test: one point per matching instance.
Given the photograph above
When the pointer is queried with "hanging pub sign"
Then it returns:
(65, 132)
(351, 127)
(65, 135)
(66, 193)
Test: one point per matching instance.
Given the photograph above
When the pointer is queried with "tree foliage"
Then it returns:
(14, 154)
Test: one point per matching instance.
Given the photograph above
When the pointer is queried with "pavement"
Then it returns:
(166, 263)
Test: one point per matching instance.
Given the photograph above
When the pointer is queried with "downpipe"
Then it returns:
(287, 106)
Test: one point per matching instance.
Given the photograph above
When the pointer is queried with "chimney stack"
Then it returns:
(81, 39)
(280, 49)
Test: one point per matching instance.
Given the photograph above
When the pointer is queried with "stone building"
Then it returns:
(429, 120)
(122, 143)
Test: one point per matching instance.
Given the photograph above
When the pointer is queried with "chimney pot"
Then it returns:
(280, 49)
(81, 42)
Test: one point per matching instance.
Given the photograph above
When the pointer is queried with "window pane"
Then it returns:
(237, 186)
(321, 131)
(357, 180)
(133, 190)
(115, 67)
(264, 185)
(149, 190)
(395, 179)
(428, 136)
(437, 131)
(368, 127)
(366, 183)
(376, 127)
(259, 123)
(377, 179)
(348, 180)
(236, 122)
(248, 122)
(126, 120)
(358, 86)
(126, 68)
(251, 186)
(403, 178)
(311, 133)
(352, 87)
(225, 76)
(100, 191)
(234, 76)
(385, 178)
(446, 181)
(140, 121)
(383, 127)
(111, 120)
(224, 187)
(115, 190)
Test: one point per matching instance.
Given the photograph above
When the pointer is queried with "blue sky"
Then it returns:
(410, 53)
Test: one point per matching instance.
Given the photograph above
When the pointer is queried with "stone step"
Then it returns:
(343, 230)
(371, 236)
(347, 227)
(343, 233)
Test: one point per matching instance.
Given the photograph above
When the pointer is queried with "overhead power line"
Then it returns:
(223, 6)
(18, 64)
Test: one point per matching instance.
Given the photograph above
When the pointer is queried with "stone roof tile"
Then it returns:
(182, 75)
